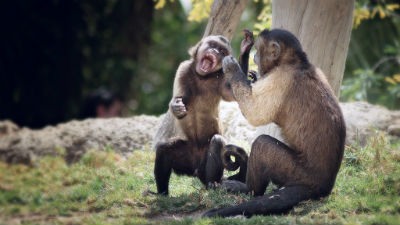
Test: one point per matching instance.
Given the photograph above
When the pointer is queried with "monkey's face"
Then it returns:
(267, 55)
(209, 54)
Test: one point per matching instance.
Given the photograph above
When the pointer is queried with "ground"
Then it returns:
(106, 188)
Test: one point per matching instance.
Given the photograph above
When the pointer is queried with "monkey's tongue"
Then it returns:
(208, 63)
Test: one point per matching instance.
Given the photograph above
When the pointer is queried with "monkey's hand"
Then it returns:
(247, 42)
(178, 108)
(230, 66)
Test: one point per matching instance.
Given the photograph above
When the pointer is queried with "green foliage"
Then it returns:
(200, 11)
(104, 188)
(56, 52)
(372, 73)
(374, 53)
(366, 9)
(264, 18)
(171, 38)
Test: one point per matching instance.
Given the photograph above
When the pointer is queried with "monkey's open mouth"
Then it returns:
(208, 62)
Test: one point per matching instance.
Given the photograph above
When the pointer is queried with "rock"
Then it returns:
(124, 135)
(394, 129)
(363, 120)
(7, 127)
(75, 137)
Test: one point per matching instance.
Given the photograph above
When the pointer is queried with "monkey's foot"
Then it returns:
(234, 186)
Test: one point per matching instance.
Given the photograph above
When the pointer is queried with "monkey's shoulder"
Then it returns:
(185, 68)
(278, 80)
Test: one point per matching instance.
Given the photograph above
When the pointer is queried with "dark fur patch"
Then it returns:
(224, 40)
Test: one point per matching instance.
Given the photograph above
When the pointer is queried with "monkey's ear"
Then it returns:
(193, 50)
(274, 50)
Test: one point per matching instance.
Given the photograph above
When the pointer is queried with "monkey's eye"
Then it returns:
(223, 51)
(212, 45)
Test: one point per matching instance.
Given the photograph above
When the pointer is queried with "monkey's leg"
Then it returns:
(271, 160)
(212, 168)
(171, 155)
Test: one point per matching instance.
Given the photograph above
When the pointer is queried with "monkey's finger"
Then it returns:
(179, 108)
(182, 109)
(178, 104)
(248, 34)
(178, 100)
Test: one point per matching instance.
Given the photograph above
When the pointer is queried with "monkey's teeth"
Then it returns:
(206, 65)
(208, 62)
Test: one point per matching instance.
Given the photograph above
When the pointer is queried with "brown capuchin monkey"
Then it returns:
(188, 141)
(295, 95)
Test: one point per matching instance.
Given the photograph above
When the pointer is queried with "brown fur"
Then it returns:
(296, 96)
(188, 140)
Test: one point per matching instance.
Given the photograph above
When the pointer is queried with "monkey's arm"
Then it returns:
(245, 48)
(178, 102)
(260, 101)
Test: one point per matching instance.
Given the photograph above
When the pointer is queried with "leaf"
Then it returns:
(200, 11)
(160, 4)
(392, 7)
(396, 77)
(382, 13)
(390, 80)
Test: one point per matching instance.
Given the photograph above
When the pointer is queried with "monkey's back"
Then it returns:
(314, 126)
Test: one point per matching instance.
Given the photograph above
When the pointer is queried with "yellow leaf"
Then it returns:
(397, 77)
(201, 10)
(374, 11)
(361, 14)
(392, 7)
(160, 4)
(390, 80)
(381, 12)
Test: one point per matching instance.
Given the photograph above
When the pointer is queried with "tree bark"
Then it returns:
(323, 28)
(224, 17)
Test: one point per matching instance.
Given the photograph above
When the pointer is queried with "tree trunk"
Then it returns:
(224, 17)
(323, 28)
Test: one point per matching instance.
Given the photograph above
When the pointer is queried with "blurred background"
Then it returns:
(55, 54)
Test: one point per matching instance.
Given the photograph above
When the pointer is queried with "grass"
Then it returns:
(105, 188)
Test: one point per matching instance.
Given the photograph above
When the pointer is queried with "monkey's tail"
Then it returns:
(278, 202)
(240, 156)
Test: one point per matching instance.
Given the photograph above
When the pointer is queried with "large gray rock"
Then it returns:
(76, 137)
(72, 139)
(363, 120)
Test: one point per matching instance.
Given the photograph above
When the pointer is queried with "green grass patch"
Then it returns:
(105, 188)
